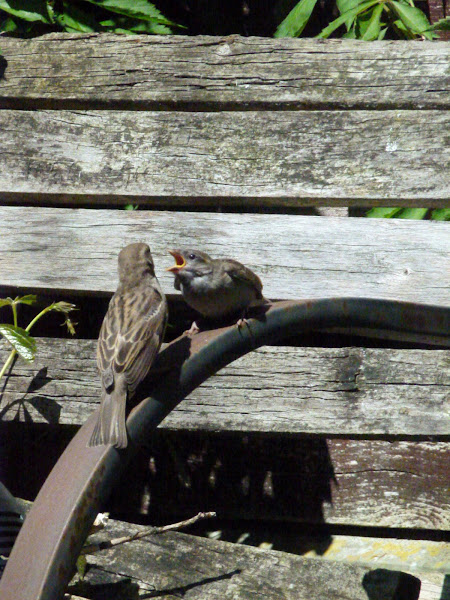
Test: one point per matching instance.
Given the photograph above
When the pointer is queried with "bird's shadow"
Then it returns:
(376, 584)
(48, 408)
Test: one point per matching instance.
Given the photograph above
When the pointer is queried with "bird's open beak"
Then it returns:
(179, 262)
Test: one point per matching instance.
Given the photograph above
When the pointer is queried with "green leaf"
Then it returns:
(343, 18)
(62, 306)
(8, 26)
(374, 25)
(148, 27)
(441, 25)
(81, 566)
(344, 6)
(21, 340)
(295, 22)
(382, 33)
(29, 10)
(412, 18)
(29, 299)
(441, 214)
(400, 28)
(75, 19)
(137, 9)
(412, 213)
(381, 212)
(6, 302)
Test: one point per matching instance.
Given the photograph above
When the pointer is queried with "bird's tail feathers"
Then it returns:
(110, 428)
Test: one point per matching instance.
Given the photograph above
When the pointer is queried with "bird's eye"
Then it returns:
(192, 256)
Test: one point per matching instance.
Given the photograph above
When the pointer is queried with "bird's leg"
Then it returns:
(256, 307)
(193, 329)
(243, 319)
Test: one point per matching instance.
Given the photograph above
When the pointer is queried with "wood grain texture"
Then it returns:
(307, 257)
(175, 564)
(388, 553)
(148, 72)
(237, 159)
(365, 483)
(321, 391)
(259, 478)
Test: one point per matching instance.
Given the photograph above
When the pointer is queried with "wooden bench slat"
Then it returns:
(270, 159)
(260, 478)
(179, 564)
(147, 72)
(364, 483)
(307, 257)
(389, 553)
(321, 391)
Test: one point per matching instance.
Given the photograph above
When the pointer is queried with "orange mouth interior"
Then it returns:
(179, 261)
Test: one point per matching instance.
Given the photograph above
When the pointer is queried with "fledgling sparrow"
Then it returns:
(215, 287)
(129, 340)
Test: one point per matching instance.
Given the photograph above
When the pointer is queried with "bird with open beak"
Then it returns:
(129, 340)
(215, 287)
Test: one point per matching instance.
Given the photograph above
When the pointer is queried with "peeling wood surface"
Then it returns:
(241, 159)
(321, 391)
(148, 72)
(375, 552)
(307, 257)
(176, 564)
(388, 553)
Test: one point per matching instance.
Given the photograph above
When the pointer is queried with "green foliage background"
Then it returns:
(35, 17)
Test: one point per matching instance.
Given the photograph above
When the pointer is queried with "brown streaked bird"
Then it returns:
(215, 287)
(129, 340)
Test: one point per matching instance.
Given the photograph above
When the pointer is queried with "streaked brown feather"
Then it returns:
(133, 321)
(238, 271)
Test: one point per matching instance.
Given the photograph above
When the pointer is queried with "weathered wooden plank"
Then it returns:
(321, 391)
(296, 256)
(143, 72)
(413, 555)
(176, 564)
(369, 483)
(226, 158)
(388, 553)
(283, 479)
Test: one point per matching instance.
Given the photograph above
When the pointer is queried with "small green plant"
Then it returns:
(35, 17)
(380, 212)
(364, 20)
(20, 339)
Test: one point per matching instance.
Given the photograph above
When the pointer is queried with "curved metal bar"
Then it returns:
(43, 558)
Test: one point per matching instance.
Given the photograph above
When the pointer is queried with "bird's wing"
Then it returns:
(131, 333)
(238, 271)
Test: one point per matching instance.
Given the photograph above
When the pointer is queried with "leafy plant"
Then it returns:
(441, 25)
(20, 339)
(364, 20)
(31, 17)
(439, 214)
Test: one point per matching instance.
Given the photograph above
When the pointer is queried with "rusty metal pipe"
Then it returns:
(43, 558)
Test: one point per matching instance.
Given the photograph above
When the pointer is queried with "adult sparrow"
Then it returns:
(215, 287)
(129, 340)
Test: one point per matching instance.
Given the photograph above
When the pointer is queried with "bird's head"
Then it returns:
(135, 261)
(190, 263)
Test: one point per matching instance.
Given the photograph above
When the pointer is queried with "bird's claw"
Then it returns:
(194, 328)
